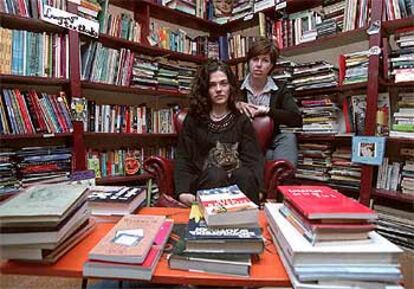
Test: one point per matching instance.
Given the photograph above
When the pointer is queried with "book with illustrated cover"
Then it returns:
(322, 202)
(79, 109)
(47, 203)
(227, 206)
(141, 271)
(129, 241)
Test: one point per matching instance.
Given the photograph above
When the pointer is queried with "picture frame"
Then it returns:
(368, 150)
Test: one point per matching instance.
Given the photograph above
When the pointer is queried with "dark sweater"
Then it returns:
(283, 109)
(195, 141)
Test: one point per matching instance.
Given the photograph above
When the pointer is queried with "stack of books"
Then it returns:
(354, 67)
(403, 116)
(44, 222)
(327, 240)
(115, 200)
(344, 172)
(333, 10)
(319, 115)
(314, 75)
(9, 182)
(402, 60)
(131, 249)
(222, 235)
(314, 161)
(143, 73)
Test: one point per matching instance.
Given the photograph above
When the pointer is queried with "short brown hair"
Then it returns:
(262, 46)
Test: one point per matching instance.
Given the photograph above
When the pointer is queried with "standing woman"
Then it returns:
(261, 95)
(217, 146)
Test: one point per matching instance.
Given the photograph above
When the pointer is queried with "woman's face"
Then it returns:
(224, 7)
(260, 66)
(219, 88)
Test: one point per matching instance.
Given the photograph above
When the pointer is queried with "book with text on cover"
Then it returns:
(142, 271)
(227, 206)
(322, 202)
(129, 241)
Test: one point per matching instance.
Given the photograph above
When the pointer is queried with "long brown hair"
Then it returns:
(200, 102)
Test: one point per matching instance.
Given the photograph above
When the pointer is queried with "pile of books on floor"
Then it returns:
(44, 222)
(131, 249)
(115, 200)
(327, 241)
(222, 236)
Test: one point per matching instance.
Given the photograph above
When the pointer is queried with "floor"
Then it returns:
(26, 282)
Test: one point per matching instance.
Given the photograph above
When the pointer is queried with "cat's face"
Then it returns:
(225, 155)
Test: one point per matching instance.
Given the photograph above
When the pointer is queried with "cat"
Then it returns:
(223, 155)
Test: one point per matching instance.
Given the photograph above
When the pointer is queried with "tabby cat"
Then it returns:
(223, 155)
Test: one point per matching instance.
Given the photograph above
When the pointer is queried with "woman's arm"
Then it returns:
(185, 171)
(286, 112)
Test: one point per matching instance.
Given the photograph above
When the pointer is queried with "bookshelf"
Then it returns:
(144, 11)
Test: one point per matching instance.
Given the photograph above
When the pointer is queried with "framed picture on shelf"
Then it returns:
(368, 150)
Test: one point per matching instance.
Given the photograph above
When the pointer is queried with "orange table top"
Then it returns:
(268, 271)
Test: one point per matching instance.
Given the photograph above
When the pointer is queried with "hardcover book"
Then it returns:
(141, 271)
(227, 206)
(129, 241)
(41, 203)
(321, 202)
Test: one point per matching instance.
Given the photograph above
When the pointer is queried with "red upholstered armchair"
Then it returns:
(162, 169)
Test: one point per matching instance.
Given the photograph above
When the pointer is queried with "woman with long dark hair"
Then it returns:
(217, 146)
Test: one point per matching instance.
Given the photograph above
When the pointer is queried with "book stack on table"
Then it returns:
(43, 222)
(327, 241)
(115, 200)
(222, 235)
(131, 249)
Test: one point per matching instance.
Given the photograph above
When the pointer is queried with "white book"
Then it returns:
(299, 251)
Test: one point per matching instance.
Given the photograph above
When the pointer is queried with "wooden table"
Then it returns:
(268, 271)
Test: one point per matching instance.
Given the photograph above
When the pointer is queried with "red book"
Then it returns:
(321, 202)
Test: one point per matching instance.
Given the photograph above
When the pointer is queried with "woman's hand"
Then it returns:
(246, 108)
(252, 110)
(187, 199)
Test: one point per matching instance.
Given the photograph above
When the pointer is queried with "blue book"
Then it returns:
(368, 150)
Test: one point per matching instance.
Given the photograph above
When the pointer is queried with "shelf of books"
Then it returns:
(116, 42)
(327, 42)
(133, 90)
(33, 80)
(27, 23)
(114, 180)
(392, 26)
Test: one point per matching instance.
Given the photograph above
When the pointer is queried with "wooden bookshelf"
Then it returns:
(116, 43)
(401, 140)
(24, 23)
(328, 42)
(12, 137)
(328, 137)
(392, 195)
(133, 90)
(391, 26)
(129, 135)
(118, 180)
(32, 80)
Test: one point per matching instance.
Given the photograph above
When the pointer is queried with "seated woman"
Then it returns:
(217, 146)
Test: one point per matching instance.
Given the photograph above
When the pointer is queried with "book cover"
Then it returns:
(368, 150)
(224, 199)
(197, 229)
(129, 241)
(43, 200)
(322, 202)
